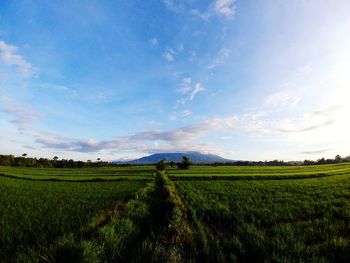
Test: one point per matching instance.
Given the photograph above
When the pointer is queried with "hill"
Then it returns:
(195, 157)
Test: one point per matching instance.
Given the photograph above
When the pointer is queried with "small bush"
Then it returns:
(160, 166)
(185, 163)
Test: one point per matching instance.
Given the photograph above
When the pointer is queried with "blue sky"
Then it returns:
(120, 79)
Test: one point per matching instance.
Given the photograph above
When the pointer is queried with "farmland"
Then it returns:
(203, 214)
(81, 174)
(258, 172)
(34, 214)
(305, 220)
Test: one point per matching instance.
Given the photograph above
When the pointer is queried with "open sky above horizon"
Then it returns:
(253, 80)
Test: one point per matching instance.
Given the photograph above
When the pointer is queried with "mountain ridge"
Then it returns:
(195, 157)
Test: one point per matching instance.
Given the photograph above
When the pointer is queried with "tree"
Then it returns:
(308, 162)
(321, 161)
(346, 159)
(172, 164)
(24, 155)
(160, 166)
(338, 159)
(185, 163)
(55, 158)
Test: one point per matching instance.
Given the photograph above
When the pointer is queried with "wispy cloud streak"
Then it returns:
(22, 116)
(9, 56)
(220, 8)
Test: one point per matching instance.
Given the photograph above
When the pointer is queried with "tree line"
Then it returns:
(55, 162)
(184, 164)
(337, 159)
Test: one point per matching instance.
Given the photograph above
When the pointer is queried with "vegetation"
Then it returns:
(150, 227)
(36, 214)
(258, 172)
(185, 163)
(82, 174)
(202, 214)
(304, 220)
(337, 159)
(24, 161)
(160, 166)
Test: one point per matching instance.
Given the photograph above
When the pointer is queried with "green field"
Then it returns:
(34, 214)
(258, 172)
(204, 214)
(305, 220)
(79, 174)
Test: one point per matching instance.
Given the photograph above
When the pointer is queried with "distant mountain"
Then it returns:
(195, 157)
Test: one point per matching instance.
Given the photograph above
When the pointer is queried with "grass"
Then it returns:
(305, 220)
(189, 216)
(34, 214)
(258, 172)
(148, 228)
(79, 174)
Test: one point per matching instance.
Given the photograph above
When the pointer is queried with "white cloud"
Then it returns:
(154, 124)
(283, 98)
(154, 42)
(188, 91)
(96, 98)
(221, 57)
(60, 88)
(186, 113)
(150, 141)
(197, 88)
(316, 152)
(172, 6)
(187, 80)
(224, 8)
(184, 138)
(305, 70)
(184, 89)
(185, 86)
(22, 116)
(8, 55)
(180, 47)
(181, 114)
(169, 54)
(203, 15)
(181, 139)
(221, 8)
(308, 121)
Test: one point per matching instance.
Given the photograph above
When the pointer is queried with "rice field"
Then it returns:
(79, 174)
(258, 172)
(33, 214)
(306, 220)
(203, 214)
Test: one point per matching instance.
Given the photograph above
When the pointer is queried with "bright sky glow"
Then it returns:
(250, 80)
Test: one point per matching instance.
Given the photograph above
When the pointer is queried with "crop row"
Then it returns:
(263, 170)
(304, 220)
(83, 174)
(33, 214)
(197, 220)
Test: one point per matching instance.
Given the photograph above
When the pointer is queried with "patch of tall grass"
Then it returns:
(34, 214)
(305, 220)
